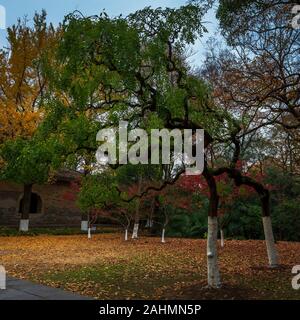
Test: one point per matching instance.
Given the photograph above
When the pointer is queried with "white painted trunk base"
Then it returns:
(213, 274)
(2, 278)
(270, 243)
(126, 235)
(222, 238)
(84, 225)
(163, 236)
(149, 223)
(89, 233)
(135, 231)
(24, 225)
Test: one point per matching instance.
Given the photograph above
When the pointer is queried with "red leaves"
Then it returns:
(191, 183)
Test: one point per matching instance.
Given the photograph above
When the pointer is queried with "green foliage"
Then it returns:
(130, 175)
(98, 191)
(285, 204)
(243, 218)
(191, 225)
(27, 161)
(229, 10)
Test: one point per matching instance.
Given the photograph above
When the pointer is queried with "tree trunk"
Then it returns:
(126, 234)
(213, 273)
(270, 243)
(89, 233)
(268, 231)
(137, 212)
(135, 231)
(24, 222)
(165, 224)
(163, 235)
(264, 195)
(150, 218)
(222, 238)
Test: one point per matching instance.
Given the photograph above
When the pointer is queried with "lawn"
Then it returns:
(106, 267)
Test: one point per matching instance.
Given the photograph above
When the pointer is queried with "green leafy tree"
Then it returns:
(27, 162)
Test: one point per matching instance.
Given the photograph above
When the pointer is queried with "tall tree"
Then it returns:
(134, 69)
(22, 97)
(22, 85)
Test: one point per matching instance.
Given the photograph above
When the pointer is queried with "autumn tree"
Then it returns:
(22, 85)
(230, 149)
(256, 80)
(22, 98)
(264, 59)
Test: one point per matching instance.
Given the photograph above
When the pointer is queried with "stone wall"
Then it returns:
(56, 211)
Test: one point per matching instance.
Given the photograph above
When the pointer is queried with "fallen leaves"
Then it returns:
(106, 267)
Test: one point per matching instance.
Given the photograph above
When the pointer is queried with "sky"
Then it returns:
(57, 9)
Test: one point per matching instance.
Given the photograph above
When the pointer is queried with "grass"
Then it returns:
(119, 281)
(107, 267)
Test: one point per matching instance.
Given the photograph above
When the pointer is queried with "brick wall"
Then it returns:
(56, 211)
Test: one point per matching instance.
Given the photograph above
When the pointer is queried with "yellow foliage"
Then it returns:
(22, 85)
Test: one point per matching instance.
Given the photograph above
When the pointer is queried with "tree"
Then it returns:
(258, 79)
(109, 205)
(27, 162)
(267, 57)
(244, 123)
(22, 95)
(22, 85)
(134, 69)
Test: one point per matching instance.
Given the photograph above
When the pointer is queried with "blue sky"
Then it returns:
(57, 9)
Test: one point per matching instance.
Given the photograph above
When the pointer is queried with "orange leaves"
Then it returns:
(21, 82)
(108, 267)
(15, 123)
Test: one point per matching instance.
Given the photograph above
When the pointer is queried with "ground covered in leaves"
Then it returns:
(107, 267)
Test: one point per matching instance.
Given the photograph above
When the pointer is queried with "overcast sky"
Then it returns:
(57, 9)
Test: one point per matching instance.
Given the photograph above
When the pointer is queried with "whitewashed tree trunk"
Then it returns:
(84, 225)
(135, 231)
(163, 235)
(213, 274)
(149, 223)
(270, 243)
(24, 225)
(89, 233)
(126, 234)
(222, 238)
